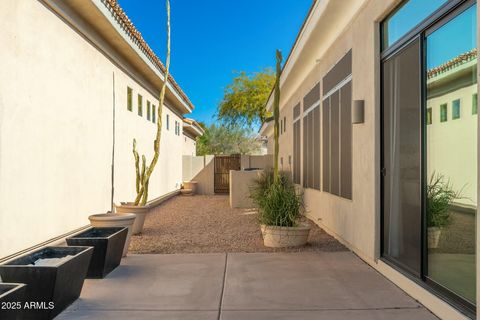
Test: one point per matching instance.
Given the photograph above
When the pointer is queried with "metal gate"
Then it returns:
(223, 165)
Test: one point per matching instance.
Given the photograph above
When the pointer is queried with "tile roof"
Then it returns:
(458, 60)
(123, 20)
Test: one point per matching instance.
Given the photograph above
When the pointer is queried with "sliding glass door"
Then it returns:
(402, 197)
(429, 147)
(451, 152)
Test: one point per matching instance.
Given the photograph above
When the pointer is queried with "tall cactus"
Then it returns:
(276, 114)
(143, 174)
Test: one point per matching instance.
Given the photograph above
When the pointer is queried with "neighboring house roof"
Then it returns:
(122, 18)
(192, 128)
(453, 63)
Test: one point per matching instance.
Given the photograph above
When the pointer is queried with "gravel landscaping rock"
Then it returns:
(207, 224)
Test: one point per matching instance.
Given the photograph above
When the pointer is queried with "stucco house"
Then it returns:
(191, 131)
(378, 97)
(78, 84)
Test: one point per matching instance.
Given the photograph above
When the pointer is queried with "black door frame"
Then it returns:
(441, 16)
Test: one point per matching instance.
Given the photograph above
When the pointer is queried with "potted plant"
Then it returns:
(280, 205)
(115, 220)
(54, 277)
(12, 298)
(189, 188)
(440, 196)
(108, 245)
(144, 172)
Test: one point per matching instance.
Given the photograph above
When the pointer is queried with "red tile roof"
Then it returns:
(122, 18)
(458, 60)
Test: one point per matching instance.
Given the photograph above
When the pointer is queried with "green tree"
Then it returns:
(227, 140)
(244, 99)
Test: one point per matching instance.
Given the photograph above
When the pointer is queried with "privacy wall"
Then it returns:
(58, 93)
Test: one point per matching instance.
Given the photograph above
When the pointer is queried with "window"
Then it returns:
(405, 18)
(296, 145)
(456, 109)
(451, 155)
(168, 122)
(281, 126)
(443, 112)
(311, 138)
(129, 99)
(433, 63)
(154, 113)
(284, 124)
(337, 129)
(474, 104)
(148, 110)
(401, 163)
(140, 106)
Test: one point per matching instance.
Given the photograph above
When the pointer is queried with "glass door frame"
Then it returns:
(436, 20)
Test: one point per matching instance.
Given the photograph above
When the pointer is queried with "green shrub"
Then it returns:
(440, 196)
(278, 203)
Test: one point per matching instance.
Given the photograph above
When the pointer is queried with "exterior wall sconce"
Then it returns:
(358, 111)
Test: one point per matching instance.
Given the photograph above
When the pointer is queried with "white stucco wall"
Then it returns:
(56, 116)
(452, 145)
(189, 146)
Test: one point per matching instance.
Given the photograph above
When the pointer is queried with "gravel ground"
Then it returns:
(207, 224)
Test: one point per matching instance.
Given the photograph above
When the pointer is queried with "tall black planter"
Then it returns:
(54, 278)
(108, 246)
(12, 299)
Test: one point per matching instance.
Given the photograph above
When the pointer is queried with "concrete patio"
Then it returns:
(230, 286)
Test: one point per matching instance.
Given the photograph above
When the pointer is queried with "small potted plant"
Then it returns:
(12, 298)
(440, 196)
(54, 277)
(143, 173)
(279, 203)
(108, 245)
(189, 188)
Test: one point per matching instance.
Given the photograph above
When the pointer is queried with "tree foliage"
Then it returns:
(220, 139)
(244, 99)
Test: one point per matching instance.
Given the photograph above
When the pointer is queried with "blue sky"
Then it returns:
(446, 42)
(212, 39)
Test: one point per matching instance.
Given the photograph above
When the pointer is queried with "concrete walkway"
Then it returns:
(324, 285)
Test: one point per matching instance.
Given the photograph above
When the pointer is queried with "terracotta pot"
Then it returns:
(282, 237)
(140, 211)
(115, 220)
(190, 185)
(434, 234)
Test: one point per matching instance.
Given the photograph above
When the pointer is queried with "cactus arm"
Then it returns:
(137, 166)
(276, 114)
(143, 181)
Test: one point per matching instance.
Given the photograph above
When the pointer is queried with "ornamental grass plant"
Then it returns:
(278, 202)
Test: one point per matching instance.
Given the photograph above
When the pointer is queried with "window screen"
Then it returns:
(311, 138)
(296, 144)
(337, 129)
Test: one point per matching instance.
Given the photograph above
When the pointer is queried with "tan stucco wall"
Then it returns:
(205, 177)
(355, 222)
(341, 215)
(56, 98)
(240, 184)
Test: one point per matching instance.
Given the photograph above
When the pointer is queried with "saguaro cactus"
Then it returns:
(144, 172)
(276, 114)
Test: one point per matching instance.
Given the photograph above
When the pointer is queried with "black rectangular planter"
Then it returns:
(108, 246)
(54, 277)
(12, 299)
